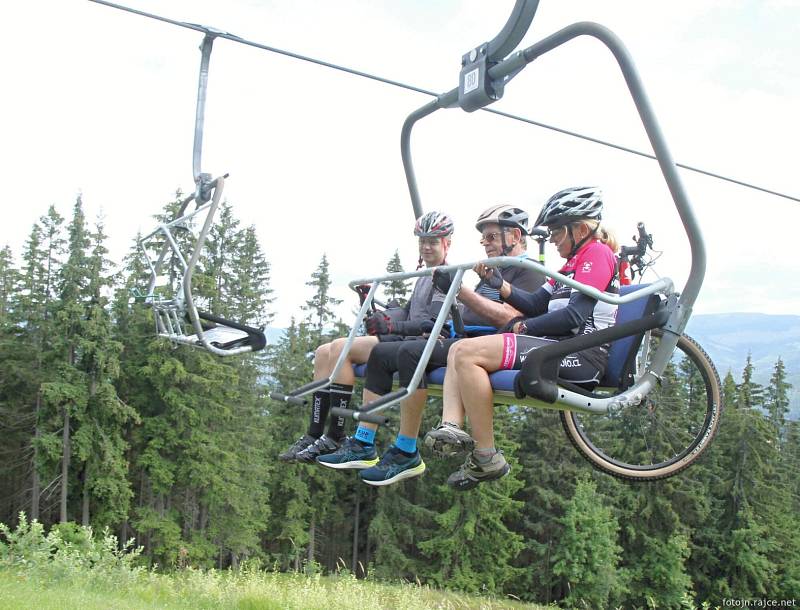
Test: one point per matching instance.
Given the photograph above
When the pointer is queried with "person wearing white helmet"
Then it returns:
(434, 231)
(553, 313)
(503, 231)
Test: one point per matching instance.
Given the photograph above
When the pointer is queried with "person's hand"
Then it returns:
(442, 280)
(490, 276)
(378, 323)
(426, 326)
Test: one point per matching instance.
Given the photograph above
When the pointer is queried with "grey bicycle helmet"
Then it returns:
(505, 216)
(569, 205)
(433, 224)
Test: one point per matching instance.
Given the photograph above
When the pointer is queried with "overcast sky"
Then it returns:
(101, 102)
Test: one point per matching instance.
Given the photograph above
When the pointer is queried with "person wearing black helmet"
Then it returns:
(434, 231)
(553, 313)
(503, 232)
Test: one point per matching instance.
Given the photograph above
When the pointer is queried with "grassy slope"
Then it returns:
(256, 590)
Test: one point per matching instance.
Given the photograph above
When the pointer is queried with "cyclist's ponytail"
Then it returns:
(604, 234)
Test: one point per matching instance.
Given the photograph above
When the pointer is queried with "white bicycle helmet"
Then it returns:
(506, 216)
(433, 224)
(569, 205)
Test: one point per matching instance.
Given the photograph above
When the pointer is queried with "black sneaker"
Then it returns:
(290, 455)
(322, 446)
(472, 472)
(447, 439)
(393, 467)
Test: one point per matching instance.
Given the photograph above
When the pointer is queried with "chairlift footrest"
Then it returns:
(226, 334)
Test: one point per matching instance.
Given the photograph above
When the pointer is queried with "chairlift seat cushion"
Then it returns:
(620, 355)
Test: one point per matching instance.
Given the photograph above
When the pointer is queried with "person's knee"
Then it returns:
(454, 352)
(322, 352)
(336, 347)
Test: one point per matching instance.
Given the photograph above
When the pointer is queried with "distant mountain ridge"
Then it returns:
(727, 338)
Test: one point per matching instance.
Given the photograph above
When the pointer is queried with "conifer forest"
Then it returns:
(104, 424)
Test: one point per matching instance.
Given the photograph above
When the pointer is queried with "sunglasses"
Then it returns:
(488, 238)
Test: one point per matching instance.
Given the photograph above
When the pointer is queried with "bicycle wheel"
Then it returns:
(667, 431)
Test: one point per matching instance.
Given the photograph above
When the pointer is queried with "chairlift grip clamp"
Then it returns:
(475, 88)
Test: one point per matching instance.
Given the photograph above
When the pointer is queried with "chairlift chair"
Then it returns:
(176, 316)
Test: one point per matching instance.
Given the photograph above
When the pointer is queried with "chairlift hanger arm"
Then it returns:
(513, 31)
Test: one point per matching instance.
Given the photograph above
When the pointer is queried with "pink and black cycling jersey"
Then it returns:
(594, 265)
(557, 311)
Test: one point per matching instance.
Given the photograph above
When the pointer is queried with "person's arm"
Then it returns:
(564, 321)
(529, 303)
(499, 314)
(596, 269)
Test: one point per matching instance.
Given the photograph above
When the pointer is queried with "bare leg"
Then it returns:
(453, 410)
(411, 410)
(359, 353)
(366, 398)
(472, 361)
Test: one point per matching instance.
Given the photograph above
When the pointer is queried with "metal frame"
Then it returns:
(489, 78)
(170, 312)
(510, 67)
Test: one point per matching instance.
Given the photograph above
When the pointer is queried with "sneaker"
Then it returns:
(447, 439)
(471, 472)
(290, 455)
(322, 446)
(350, 454)
(393, 467)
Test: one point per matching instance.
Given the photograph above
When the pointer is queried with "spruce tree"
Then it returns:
(99, 443)
(777, 397)
(320, 305)
(42, 260)
(252, 296)
(587, 554)
(395, 289)
(66, 392)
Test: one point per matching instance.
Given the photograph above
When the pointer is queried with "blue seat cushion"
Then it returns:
(618, 356)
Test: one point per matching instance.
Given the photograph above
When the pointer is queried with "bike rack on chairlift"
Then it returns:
(176, 316)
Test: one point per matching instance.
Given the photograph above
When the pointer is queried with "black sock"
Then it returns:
(340, 397)
(319, 412)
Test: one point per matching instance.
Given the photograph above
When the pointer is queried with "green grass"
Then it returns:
(248, 590)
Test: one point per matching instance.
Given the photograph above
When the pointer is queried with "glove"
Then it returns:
(442, 280)
(379, 323)
(509, 328)
(426, 326)
(494, 280)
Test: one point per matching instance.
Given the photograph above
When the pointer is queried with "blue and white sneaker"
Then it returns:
(350, 454)
(393, 467)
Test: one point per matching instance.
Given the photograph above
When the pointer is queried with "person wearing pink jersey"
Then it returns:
(552, 313)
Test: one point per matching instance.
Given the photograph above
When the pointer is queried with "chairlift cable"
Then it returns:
(234, 38)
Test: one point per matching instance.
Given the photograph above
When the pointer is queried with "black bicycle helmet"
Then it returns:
(569, 205)
(433, 224)
(505, 216)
